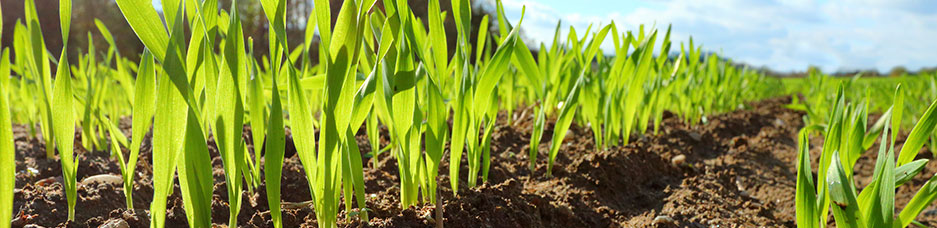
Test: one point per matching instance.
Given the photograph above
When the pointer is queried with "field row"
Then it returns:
(196, 87)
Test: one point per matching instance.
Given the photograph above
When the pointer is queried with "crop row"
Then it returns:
(377, 66)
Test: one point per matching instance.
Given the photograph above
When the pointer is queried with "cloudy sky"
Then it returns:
(783, 35)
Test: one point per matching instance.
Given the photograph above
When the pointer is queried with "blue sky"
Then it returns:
(783, 35)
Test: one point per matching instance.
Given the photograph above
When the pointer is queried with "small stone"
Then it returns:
(757, 204)
(678, 161)
(663, 220)
(931, 212)
(739, 185)
(115, 223)
(103, 179)
(429, 217)
(695, 136)
(49, 181)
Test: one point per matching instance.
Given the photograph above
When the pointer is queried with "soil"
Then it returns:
(734, 170)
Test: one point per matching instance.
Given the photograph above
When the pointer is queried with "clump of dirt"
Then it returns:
(735, 170)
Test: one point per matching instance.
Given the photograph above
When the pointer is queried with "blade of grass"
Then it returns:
(168, 124)
(228, 124)
(195, 174)
(843, 194)
(143, 109)
(806, 197)
(273, 159)
(7, 150)
(919, 134)
(63, 120)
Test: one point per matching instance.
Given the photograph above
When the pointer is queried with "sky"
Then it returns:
(835, 35)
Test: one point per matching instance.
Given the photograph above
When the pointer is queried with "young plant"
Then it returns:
(276, 138)
(436, 59)
(273, 159)
(178, 112)
(228, 123)
(144, 106)
(874, 205)
(64, 118)
(258, 113)
(568, 110)
(475, 98)
(36, 64)
(7, 149)
(337, 159)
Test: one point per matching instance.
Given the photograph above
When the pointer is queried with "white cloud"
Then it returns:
(783, 35)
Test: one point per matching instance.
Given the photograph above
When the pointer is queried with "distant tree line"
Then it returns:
(83, 28)
(896, 71)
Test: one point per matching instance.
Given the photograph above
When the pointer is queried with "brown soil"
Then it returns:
(738, 172)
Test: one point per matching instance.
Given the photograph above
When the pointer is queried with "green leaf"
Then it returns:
(37, 66)
(143, 109)
(571, 104)
(169, 123)
(166, 48)
(919, 134)
(115, 149)
(65, 17)
(7, 150)
(898, 107)
(918, 203)
(195, 174)
(908, 171)
(880, 210)
(228, 125)
(831, 141)
(258, 114)
(524, 61)
(436, 133)
(302, 129)
(806, 196)
(273, 158)
(494, 69)
(63, 122)
(146, 22)
(843, 195)
(564, 120)
(437, 35)
(535, 137)
(876, 129)
(482, 40)
(374, 137)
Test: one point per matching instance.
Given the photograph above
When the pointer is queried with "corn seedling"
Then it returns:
(475, 97)
(874, 205)
(569, 106)
(63, 122)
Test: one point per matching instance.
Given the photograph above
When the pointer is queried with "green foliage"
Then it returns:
(143, 109)
(63, 121)
(7, 153)
(874, 205)
(228, 123)
(197, 79)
